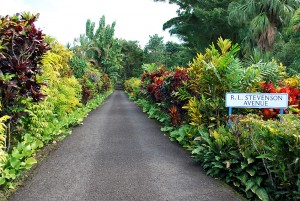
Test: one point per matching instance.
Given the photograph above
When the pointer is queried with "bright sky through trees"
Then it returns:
(65, 19)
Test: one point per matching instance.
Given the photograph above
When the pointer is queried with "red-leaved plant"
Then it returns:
(293, 96)
(22, 46)
(161, 86)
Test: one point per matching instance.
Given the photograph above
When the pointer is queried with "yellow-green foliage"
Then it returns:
(293, 82)
(63, 92)
(194, 112)
(3, 154)
(211, 75)
(218, 71)
(133, 86)
(208, 72)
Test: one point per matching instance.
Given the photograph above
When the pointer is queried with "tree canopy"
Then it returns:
(100, 46)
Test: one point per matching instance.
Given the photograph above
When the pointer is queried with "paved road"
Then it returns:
(119, 154)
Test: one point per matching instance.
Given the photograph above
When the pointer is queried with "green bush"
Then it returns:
(218, 71)
(22, 46)
(277, 144)
(79, 66)
(259, 158)
(132, 87)
(63, 94)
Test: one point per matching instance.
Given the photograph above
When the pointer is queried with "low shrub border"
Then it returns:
(251, 157)
(38, 151)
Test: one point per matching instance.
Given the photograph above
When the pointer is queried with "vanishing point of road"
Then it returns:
(120, 154)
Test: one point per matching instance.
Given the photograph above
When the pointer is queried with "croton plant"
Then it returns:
(161, 86)
(293, 96)
(21, 48)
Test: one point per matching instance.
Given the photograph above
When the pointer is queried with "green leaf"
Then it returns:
(35, 145)
(237, 184)
(30, 161)
(258, 180)
(166, 129)
(12, 174)
(11, 185)
(250, 160)
(235, 153)
(244, 165)
(251, 172)
(210, 172)
(15, 163)
(2, 180)
(265, 156)
(27, 149)
(196, 151)
(16, 154)
(250, 183)
(262, 194)
(243, 178)
(180, 138)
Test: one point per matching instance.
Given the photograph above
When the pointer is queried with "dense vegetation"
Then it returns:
(259, 158)
(252, 150)
(271, 26)
(46, 88)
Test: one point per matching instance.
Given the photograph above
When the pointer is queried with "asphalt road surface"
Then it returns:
(119, 154)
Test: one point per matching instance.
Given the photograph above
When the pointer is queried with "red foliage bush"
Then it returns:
(293, 97)
(161, 86)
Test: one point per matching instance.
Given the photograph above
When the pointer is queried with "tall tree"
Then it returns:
(261, 19)
(177, 54)
(132, 59)
(199, 23)
(155, 50)
(168, 54)
(100, 46)
(288, 49)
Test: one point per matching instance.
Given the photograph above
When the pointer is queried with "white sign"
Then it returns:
(257, 100)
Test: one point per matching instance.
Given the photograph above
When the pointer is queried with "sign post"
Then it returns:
(257, 100)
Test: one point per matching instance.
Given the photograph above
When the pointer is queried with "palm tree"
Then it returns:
(99, 46)
(261, 19)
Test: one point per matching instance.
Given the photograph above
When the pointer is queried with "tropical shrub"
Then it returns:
(63, 94)
(20, 159)
(106, 82)
(39, 92)
(259, 158)
(276, 143)
(291, 86)
(154, 111)
(132, 86)
(92, 79)
(22, 46)
(79, 66)
(219, 152)
(218, 71)
(163, 87)
(94, 82)
(150, 82)
(60, 79)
